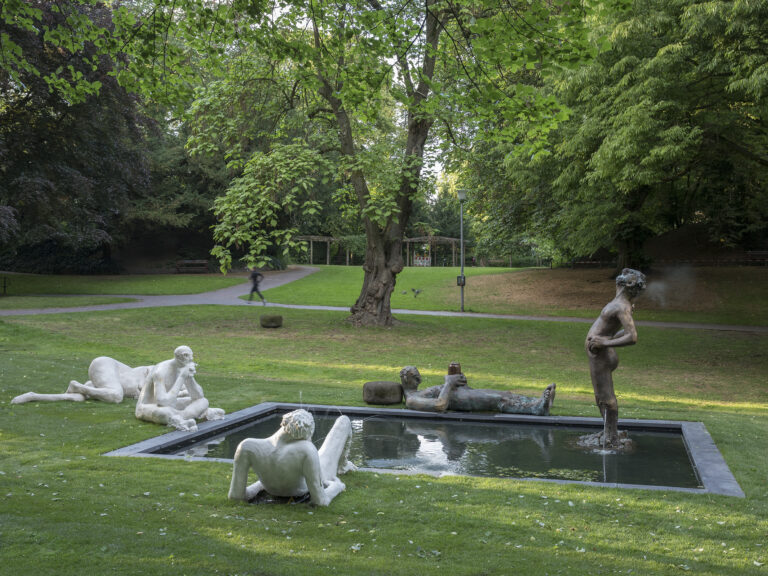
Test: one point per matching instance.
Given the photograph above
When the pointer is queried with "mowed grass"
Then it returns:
(340, 286)
(139, 284)
(65, 509)
(28, 302)
(736, 295)
(25, 291)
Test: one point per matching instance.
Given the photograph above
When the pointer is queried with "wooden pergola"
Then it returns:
(430, 241)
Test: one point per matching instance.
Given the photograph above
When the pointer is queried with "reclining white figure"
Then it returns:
(109, 381)
(289, 465)
(172, 396)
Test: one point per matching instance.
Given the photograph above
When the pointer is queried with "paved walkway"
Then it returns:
(231, 297)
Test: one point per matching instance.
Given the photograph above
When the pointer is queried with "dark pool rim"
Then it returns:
(708, 462)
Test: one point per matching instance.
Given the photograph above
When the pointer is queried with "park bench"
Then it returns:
(589, 263)
(757, 257)
(192, 266)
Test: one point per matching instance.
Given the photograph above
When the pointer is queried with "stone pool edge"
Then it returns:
(709, 463)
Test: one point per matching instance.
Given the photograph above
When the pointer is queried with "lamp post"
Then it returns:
(461, 280)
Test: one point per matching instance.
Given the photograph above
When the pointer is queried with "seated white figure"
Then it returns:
(289, 465)
(172, 396)
(109, 381)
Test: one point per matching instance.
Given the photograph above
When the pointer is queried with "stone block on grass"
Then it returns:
(271, 321)
(382, 392)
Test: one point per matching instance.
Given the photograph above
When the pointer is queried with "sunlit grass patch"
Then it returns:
(69, 509)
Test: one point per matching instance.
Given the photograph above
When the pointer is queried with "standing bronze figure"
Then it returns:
(613, 328)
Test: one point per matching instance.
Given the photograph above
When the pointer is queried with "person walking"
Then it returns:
(256, 278)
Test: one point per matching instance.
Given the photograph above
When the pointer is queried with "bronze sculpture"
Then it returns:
(612, 329)
(455, 394)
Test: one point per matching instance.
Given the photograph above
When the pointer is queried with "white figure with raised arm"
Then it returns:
(172, 396)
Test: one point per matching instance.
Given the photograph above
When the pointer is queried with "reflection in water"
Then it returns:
(486, 449)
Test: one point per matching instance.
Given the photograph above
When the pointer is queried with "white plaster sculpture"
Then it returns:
(289, 465)
(172, 396)
(109, 381)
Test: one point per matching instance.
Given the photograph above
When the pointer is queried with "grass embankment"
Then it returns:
(52, 291)
(735, 295)
(65, 509)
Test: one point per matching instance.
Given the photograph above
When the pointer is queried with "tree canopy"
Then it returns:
(349, 94)
(576, 126)
(668, 127)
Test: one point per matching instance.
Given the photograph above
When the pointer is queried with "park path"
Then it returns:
(230, 296)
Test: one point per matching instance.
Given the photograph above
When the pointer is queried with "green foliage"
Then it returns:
(69, 168)
(86, 169)
(70, 28)
(664, 132)
(274, 186)
(377, 76)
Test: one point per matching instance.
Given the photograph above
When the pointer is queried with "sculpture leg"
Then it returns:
(545, 402)
(180, 423)
(195, 409)
(112, 392)
(253, 490)
(214, 414)
(518, 404)
(35, 397)
(165, 415)
(333, 453)
(601, 366)
(611, 417)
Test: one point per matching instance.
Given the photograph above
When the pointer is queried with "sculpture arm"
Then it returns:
(320, 495)
(627, 336)
(167, 397)
(193, 388)
(415, 401)
(436, 398)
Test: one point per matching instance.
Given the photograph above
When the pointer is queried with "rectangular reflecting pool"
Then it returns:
(667, 455)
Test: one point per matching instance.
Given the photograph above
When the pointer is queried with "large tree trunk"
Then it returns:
(384, 247)
(383, 255)
(633, 232)
(383, 262)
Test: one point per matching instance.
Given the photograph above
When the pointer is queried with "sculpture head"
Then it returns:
(633, 281)
(183, 355)
(298, 425)
(410, 378)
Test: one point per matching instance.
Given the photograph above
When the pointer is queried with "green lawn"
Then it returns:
(141, 284)
(65, 509)
(24, 291)
(340, 286)
(27, 302)
(736, 295)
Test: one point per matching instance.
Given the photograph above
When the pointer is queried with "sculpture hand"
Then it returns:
(597, 343)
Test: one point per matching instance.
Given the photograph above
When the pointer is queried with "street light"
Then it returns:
(461, 280)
